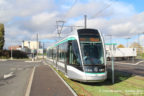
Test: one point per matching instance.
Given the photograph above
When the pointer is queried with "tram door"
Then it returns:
(70, 53)
(73, 54)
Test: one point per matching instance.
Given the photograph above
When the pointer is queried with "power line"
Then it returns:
(59, 25)
(72, 27)
(75, 1)
(100, 11)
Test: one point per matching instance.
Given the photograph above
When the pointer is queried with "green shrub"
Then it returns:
(19, 54)
(15, 54)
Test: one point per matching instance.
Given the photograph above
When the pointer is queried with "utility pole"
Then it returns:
(85, 21)
(60, 25)
(11, 53)
(127, 41)
(143, 45)
(43, 50)
(139, 45)
(33, 54)
(37, 45)
(112, 59)
(142, 48)
(23, 44)
(29, 44)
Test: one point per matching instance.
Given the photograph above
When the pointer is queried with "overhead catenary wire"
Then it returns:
(73, 4)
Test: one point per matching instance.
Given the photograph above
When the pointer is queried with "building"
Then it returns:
(33, 45)
(16, 47)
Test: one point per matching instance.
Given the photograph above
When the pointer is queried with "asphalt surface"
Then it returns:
(135, 67)
(47, 83)
(16, 84)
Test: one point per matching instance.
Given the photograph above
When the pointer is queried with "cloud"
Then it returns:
(11, 8)
(25, 18)
(127, 26)
(102, 8)
(122, 26)
(14, 35)
(44, 21)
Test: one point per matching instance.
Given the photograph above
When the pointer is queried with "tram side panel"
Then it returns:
(67, 61)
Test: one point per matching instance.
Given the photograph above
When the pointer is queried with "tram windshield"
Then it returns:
(91, 48)
(92, 53)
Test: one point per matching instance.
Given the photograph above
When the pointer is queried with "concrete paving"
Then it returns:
(47, 83)
(14, 77)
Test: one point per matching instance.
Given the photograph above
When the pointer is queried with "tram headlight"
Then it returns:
(95, 69)
(88, 69)
(102, 70)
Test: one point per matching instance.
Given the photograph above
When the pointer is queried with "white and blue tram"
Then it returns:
(80, 56)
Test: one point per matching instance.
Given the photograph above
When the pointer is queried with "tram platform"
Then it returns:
(47, 83)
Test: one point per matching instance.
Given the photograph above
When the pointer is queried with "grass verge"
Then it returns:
(125, 85)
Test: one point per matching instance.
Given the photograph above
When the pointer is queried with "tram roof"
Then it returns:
(71, 36)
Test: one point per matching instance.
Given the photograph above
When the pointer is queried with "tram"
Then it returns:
(80, 56)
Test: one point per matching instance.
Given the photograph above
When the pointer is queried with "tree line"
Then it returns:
(7, 53)
(1, 37)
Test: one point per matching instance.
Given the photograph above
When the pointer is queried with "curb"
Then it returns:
(3, 60)
(30, 83)
(62, 80)
(32, 61)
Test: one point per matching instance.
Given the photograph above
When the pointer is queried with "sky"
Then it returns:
(23, 19)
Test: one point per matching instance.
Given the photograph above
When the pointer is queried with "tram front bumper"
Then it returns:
(96, 77)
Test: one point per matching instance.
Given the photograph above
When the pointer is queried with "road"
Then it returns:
(20, 72)
(17, 74)
(135, 67)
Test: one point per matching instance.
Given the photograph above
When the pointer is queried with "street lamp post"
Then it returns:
(37, 45)
(112, 59)
(85, 21)
(138, 46)
(142, 47)
(11, 53)
(43, 50)
(140, 50)
(128, 41)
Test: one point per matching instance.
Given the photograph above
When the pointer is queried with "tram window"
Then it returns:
(74, 57)
(59, 53)
(62, 52)
(50, 53)
(54, 53)
(65, 51)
